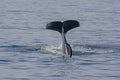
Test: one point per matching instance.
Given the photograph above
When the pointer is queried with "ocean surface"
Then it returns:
(30, 52)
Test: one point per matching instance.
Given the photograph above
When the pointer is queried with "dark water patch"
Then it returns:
(5, 61)
(19, 48)
(88, 63)
(114, 76)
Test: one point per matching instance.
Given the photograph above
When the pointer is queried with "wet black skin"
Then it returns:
(66, 48)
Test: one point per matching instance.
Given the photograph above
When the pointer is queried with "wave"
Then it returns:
(20, 48)
(77, 49)
(85, 49)
(95, 48)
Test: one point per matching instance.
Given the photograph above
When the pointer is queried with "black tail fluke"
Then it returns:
(70, 24)
(66, 25)
(55, 25)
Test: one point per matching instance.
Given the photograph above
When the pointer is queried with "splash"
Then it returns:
(57, 50)
(82, 49)
(93, 48)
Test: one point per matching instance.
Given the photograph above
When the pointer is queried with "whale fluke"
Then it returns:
(63, 28)
(55, 25)
(66, 25)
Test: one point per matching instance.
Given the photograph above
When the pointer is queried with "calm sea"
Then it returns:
(30, 52)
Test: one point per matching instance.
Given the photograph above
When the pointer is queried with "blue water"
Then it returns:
(30, 52)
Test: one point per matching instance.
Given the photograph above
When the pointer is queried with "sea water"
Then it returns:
(30, 52)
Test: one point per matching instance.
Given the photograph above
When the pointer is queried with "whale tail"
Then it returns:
(66, 25)
(63, 28)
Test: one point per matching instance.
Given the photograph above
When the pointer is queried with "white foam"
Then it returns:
(57, 50)
(84, 49)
